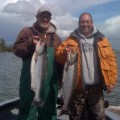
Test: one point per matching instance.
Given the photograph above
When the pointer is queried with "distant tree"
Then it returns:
(4, 47)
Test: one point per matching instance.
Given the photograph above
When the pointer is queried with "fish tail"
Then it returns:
(38, 103)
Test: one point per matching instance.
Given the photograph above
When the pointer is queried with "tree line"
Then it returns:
(8, 48)
(4, 47)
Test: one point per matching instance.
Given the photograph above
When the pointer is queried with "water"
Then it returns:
(10, 68)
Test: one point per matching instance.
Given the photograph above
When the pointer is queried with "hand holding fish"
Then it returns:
(67, 50)
(36, 39)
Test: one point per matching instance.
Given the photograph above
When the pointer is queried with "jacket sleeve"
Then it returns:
(113, 67)
(24, 47)
(60, 55)
(108, 62)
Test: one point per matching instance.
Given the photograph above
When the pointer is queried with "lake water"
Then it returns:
(10, 68)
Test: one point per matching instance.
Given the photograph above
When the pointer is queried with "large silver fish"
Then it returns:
(38, 68)
(69, 80)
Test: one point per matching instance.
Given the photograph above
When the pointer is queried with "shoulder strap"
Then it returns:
(51, 39)
(33, 31)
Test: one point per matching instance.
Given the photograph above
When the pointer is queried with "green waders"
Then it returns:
(49, 92)
(25, 92)
(50, 89)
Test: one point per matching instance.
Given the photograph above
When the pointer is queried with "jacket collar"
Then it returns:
(97, 34)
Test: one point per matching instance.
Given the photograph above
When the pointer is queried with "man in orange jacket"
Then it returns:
(96, 70)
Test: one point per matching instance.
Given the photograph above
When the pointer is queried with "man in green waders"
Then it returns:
(24, 47)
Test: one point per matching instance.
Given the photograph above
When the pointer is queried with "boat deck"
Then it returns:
(11, 114)
(9, 111)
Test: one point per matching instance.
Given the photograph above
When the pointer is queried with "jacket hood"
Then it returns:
(96, 33)
(51, 28)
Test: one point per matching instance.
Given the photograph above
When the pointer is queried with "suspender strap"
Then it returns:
(51, 39)
(34, 32)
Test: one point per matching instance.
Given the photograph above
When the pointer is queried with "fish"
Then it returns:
(68, 81)
(38, 71)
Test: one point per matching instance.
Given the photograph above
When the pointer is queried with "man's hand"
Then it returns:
(67, 50)
(110, 88)
(35, 39)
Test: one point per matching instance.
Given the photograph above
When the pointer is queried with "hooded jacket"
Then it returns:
(106, 58)
(24, 46)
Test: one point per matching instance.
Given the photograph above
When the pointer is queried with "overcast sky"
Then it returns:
(16, 14)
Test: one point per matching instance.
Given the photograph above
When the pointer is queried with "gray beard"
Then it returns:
(44, 26)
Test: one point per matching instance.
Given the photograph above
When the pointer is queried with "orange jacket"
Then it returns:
(107, 59)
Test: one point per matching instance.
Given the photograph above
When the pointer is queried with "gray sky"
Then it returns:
(16, 14)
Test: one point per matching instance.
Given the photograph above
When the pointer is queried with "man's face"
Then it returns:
(85, 24)
(43, 20)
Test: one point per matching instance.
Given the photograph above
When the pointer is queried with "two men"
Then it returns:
(24, 47)
(96, 70)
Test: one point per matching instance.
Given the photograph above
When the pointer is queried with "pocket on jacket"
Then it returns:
(104, 51)
(104, 56)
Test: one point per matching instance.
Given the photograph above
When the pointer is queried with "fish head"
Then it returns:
(72, 57)
(40, 47)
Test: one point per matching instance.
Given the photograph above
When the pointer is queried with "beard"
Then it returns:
(44, 26)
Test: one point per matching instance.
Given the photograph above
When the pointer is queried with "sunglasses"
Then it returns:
(45, 15)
